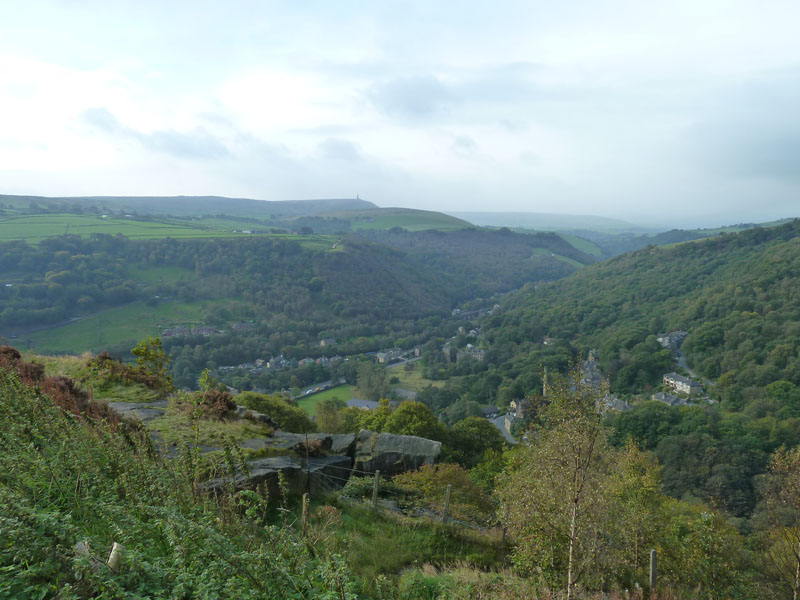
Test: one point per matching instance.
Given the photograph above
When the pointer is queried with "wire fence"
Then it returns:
(380, 493)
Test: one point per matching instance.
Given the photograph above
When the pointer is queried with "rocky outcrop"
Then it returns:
(320, 475)
(331, 457)
(367, 451)
(393, 454)
(342, 444)
(144, 411)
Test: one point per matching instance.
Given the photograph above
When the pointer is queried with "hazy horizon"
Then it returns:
(659, 114)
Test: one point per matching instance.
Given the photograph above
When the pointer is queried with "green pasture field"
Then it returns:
(35, 228)
(411, 380)
(569, 261)
(342, 392)
(230, 224)
(113, 327)
(583, 245)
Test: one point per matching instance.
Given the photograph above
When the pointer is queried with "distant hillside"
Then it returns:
(613, 244)
(187, 205)
(549, 221)
(367, 290)
(34, 218)
(406, 218)
(528, 256)
(602, 236)
(738, 296)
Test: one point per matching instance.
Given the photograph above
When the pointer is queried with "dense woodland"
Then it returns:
(293, 295)
(735, 294)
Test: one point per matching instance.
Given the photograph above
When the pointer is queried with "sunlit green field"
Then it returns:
(343, 392)
(35, 228)
(113, 327)
(413, 379)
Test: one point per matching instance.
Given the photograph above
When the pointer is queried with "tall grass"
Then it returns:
(67, 478)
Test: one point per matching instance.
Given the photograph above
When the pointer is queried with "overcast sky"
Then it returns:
(678, 112)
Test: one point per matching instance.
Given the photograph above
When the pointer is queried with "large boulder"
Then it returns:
(264, 472)
(393, 454)
(328, 473)
(343, 444)
(320, 475)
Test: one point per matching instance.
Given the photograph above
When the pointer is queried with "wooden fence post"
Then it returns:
(306, 510)
(375, 489)
(446, 515)
(115, 557)
(653, 569)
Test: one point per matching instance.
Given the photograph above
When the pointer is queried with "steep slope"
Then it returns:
(281, 293)
(72, 473)
(738, 296)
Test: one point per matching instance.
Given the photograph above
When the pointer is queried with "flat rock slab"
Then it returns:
(342, 444)
(259, 443)
(393, 454)
(144, 411)
(320, 475)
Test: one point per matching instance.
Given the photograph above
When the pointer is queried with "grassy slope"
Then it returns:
(177, 428)
(386, 544)
(583, 245)
(93, 485)
(34, 228)
(124, 324)
(566, 259)
(412, 380)
(67, 481)
(342, 392)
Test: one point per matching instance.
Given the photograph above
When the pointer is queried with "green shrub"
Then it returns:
(286, 417)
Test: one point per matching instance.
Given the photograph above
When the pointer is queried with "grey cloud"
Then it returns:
(486, 94)
(417, 96)
(196, 144)
(100, 118)
(755, 131)
(464, 145)
(338, 149)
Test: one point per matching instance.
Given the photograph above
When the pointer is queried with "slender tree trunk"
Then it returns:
(797, 575)
(572, 528)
